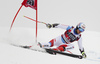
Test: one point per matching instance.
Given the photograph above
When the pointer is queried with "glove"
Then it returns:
(83, 55)
(49, 25)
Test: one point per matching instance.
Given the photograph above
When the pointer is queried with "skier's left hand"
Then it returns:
(49, 25)
(83, 55)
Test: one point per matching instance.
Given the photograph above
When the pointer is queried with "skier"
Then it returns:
(64, 41)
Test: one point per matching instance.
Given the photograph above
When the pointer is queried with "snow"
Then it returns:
(26, 36)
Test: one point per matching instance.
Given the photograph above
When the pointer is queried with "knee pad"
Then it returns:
(51, 42)
(61, 48)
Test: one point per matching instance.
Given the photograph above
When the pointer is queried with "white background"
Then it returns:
(69, 12)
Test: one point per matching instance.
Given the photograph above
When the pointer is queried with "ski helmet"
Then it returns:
(81, 27)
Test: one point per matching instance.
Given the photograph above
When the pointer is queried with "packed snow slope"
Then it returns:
(26, 36)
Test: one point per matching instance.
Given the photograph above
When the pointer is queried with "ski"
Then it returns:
(30, 48)
(50, 51)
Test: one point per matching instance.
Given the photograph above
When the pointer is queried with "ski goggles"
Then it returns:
(80, 29)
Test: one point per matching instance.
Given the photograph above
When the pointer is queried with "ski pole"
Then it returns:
(35, 20)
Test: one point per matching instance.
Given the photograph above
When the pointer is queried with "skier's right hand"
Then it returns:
(83, 54)
(49, 25)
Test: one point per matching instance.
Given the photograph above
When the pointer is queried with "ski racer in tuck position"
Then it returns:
(63, 42)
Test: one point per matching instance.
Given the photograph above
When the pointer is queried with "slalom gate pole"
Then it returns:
(35, 20)
(15, 17)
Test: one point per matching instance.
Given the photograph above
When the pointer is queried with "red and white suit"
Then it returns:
(64, 41)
